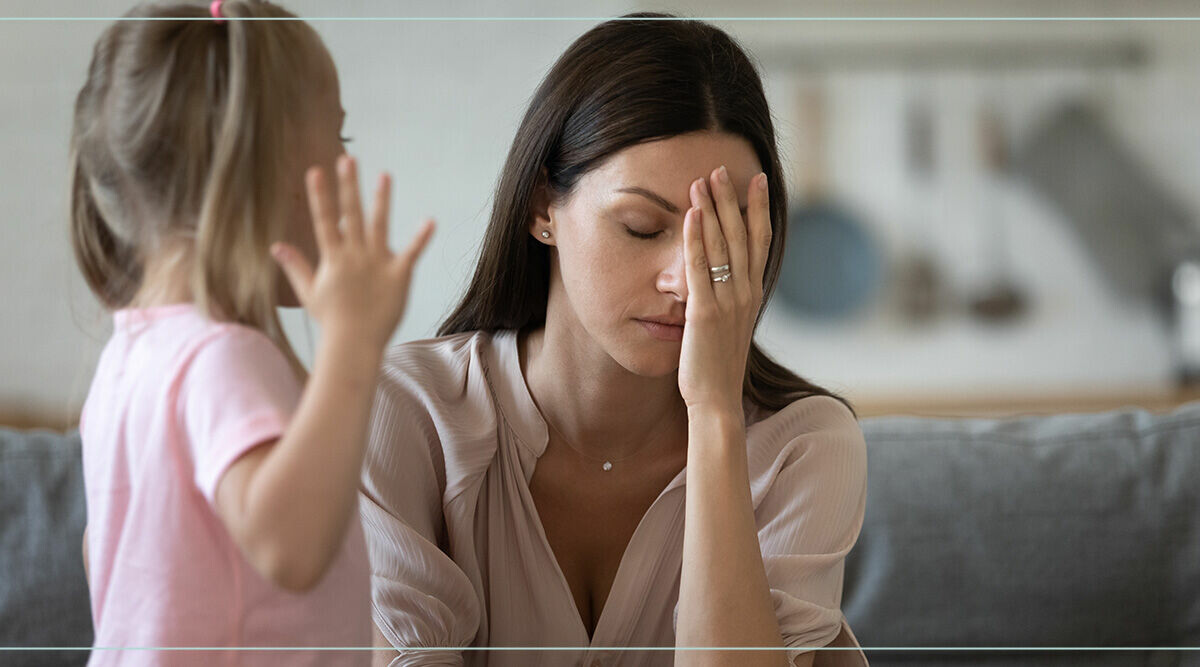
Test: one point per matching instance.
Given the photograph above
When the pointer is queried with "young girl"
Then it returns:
(221, 483)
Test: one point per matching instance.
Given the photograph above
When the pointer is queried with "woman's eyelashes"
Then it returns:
(642, 235)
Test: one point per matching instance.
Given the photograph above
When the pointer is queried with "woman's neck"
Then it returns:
(594, 402)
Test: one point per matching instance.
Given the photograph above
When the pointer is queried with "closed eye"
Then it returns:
(642, 235)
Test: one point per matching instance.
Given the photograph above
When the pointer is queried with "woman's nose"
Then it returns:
(672, 277)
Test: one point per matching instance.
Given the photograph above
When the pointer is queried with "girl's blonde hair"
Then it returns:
(180, 138)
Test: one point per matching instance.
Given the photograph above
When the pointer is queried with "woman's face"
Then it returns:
(617, 272)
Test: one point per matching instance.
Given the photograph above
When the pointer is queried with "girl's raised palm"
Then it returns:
(360, 287)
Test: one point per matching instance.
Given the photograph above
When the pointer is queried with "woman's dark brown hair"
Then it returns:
(636, 79)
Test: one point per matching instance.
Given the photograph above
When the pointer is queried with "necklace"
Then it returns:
(606, 464)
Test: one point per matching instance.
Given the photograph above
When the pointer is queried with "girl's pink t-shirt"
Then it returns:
(176, 399)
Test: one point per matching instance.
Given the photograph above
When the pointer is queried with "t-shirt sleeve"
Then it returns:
(809, 519)
(420, 597)
(238, 391)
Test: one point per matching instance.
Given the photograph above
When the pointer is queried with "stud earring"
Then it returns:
(545, 234)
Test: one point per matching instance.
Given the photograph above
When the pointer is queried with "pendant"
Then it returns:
(607, 466)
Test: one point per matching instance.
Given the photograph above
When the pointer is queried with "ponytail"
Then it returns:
(180, 141)
(109, 264)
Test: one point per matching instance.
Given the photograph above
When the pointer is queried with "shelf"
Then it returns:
(1013, 405)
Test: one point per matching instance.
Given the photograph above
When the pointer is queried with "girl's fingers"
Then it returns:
(417, 246)
(296, 268)
(758, 214)
(323, 210)
(379, 213)
(695, 260)
(733, 226)
(715, 248)
(351, 206)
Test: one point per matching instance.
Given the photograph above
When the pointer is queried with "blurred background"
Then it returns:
(988, 216)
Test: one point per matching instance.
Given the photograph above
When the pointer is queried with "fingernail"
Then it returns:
(762, 181)
(278, 251)
(723, 175)
(703, 186)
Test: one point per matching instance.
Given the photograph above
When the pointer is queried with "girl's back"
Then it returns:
(175, 400)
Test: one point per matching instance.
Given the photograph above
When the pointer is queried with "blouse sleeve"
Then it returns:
(420, 597)
(808, 519)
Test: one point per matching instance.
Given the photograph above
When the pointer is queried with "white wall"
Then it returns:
(437, 103)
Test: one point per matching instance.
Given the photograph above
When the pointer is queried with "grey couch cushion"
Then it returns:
(43, 591)
(1071, 530)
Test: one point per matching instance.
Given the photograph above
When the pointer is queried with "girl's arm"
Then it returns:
(724, 597)
(288, 503)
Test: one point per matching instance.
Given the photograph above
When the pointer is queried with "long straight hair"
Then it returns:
(179, 141)
(622, 83)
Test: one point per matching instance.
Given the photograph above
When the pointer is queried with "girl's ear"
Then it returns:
(540, 224)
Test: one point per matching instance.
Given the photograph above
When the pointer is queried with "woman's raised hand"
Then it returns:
(720, 314)
(360, 287)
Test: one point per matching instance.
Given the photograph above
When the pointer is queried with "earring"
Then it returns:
(545, 234)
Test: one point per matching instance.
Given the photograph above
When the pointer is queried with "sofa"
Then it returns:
(986, 542)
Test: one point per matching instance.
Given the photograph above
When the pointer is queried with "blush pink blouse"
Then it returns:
(459, 557)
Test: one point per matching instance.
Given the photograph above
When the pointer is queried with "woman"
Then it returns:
(595, 454)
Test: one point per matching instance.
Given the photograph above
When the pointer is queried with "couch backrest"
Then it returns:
(43, 591)
(1069, 530)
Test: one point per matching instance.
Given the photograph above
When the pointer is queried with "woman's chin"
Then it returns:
(652, 360)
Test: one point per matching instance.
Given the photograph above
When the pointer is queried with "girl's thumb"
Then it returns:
(297, 269)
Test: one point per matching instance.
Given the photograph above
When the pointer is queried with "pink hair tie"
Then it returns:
(215, 10)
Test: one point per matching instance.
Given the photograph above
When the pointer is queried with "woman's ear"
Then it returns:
(540, 224)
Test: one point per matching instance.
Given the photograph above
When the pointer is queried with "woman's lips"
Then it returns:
(671, 332)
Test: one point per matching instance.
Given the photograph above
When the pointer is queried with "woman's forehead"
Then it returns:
(668, 166)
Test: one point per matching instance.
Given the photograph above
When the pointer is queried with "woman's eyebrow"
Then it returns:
(659, 199)
(652, 196)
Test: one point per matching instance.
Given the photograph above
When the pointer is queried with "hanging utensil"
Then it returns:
(832, 266)
(1002, 300)
(919, 283)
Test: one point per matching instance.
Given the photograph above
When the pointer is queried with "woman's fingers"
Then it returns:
(733, 225)
(715, 247)
(323, 209)
(695, 260)
(758, 214)
(348, 197)
(379, 213)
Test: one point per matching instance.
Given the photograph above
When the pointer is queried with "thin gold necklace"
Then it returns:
(606, 464)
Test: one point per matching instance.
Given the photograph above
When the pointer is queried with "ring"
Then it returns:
(720, 274)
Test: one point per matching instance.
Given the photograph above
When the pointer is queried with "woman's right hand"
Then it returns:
(359, 289)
